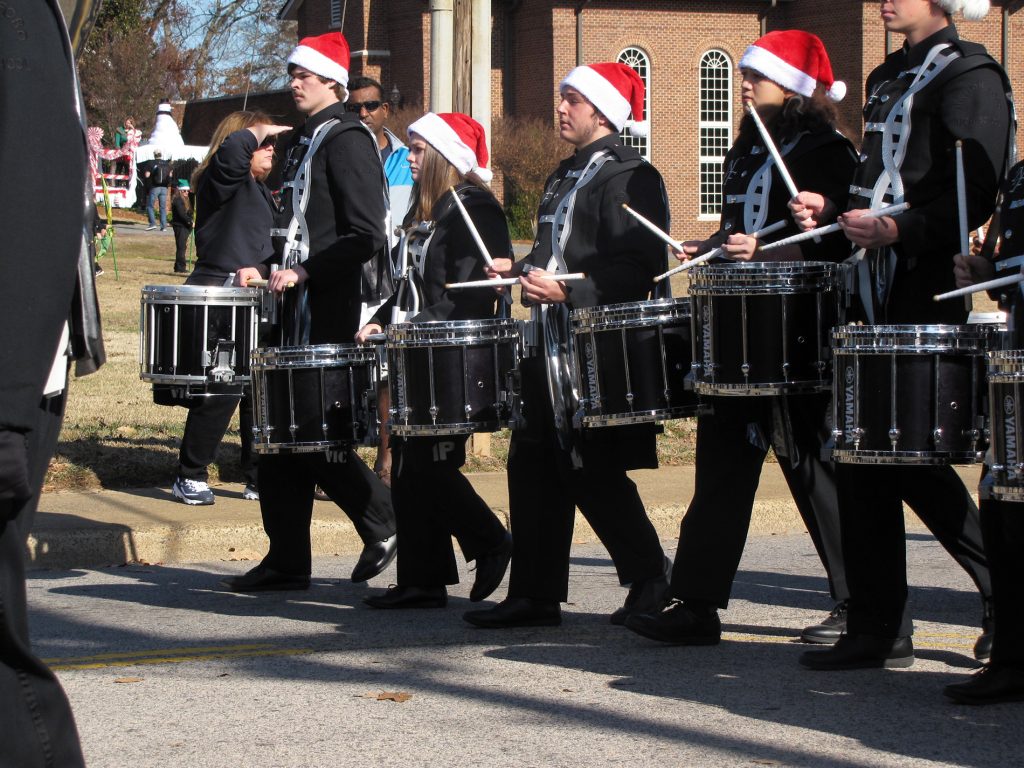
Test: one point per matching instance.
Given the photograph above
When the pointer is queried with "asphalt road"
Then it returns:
(164, 669)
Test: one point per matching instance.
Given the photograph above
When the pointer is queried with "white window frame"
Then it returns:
(723, 93)
(630, 56)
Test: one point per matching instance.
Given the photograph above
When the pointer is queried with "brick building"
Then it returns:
(686, 50)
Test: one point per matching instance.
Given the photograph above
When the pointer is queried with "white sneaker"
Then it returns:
(192, 492)
(250, 492)
(150, 229)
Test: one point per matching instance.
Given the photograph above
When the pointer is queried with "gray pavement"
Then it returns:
(163, 668)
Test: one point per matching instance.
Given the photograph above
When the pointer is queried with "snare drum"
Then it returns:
(763, 328)
(910, 394)
(632, 361)
(451, 377)
(197, 337)
(1006, 396)
(312, 398)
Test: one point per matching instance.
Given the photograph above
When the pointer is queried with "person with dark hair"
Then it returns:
(48, 317)
(344, 197)
(181, 222)
(553, 468)
(926, 96)
(787, 78)
(433, 499)
(234, 215)
(158, 174)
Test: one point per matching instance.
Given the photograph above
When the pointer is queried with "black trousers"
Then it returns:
(1002, 526)
(544, 491)
(874, 537)
(208, 420)
(286, 483)
(728, 467)
(180, 247)
(433, 502)
(36, 728)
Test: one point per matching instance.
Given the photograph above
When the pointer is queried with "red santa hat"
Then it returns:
(971, 9)
(326, 55)
(615, 90)
(796, 60)
(459, 138)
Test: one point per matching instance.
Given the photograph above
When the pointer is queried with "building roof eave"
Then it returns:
(290, 12)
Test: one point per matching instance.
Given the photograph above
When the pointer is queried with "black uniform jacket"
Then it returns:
(37, 114)
(967, 101)
(620, 258)
(234, 211)
(345, 216)
(453, 257)
(821, 161)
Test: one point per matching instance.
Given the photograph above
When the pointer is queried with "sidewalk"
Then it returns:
(82, 530)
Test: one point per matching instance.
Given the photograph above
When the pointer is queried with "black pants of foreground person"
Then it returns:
(207, 422)
(874, 537)
(36, 725)
(286, 483)
(1002, 525)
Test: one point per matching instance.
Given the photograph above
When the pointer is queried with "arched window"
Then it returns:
(641, 62)
(715, 128)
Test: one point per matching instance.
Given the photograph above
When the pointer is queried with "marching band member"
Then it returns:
(787, 78)
(234, 217)
(344, 195)
(1002, 522)
(936, 89)
(433, 500)
(553, 468)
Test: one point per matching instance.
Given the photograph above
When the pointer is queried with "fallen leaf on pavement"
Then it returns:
(399, 696)
(128, 680)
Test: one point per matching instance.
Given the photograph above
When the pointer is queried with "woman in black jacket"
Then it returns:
(432, 498)
(234, 215)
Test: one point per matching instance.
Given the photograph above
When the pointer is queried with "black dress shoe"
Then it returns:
(830, 628)
(517, 612)
(375, 557)
(264, 579)
(679, 624)
(862, 652)
(646, 596)
(992, 685)
(490, 569)
(409, 597)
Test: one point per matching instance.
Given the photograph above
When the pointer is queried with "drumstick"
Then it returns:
(774, 151)
(472, 229)
(513, 281)
(961, 208)
(718, 252)
(889, 210)
(665, 236)
(999, 282)
(375, 338)
(258, 283)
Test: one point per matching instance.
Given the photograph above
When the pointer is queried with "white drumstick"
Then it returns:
(472, 228)
(715, 252)
(999, 282)
(512, 281)
(961, 208)
(889, 210)
(375, 338)
(258, 283)
(774, 151)
(665, 236)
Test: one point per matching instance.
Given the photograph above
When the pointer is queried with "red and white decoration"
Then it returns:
(796, 60)
(615, 90)
(326, 55)
(458, 137)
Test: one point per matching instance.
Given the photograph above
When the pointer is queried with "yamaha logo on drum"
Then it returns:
(705, 337)
(848, 401)
(588, 355)
(1010, 430)
(1009, 405)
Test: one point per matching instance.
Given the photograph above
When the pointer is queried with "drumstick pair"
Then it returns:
(259, 283)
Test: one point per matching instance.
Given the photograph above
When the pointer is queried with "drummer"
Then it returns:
(787, 79)
(1002, 522)
(552, 468)
(934, 90)
(234, 214)
(433, 500)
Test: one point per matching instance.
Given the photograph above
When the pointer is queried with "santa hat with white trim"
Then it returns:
(326, 55)
(615, 90)
(971, 9)
(796, 60)
(459, 138)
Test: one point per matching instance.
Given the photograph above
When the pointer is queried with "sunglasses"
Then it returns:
(357, 106)
(270, 141)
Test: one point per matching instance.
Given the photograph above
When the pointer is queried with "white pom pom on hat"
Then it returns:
(971, 9)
